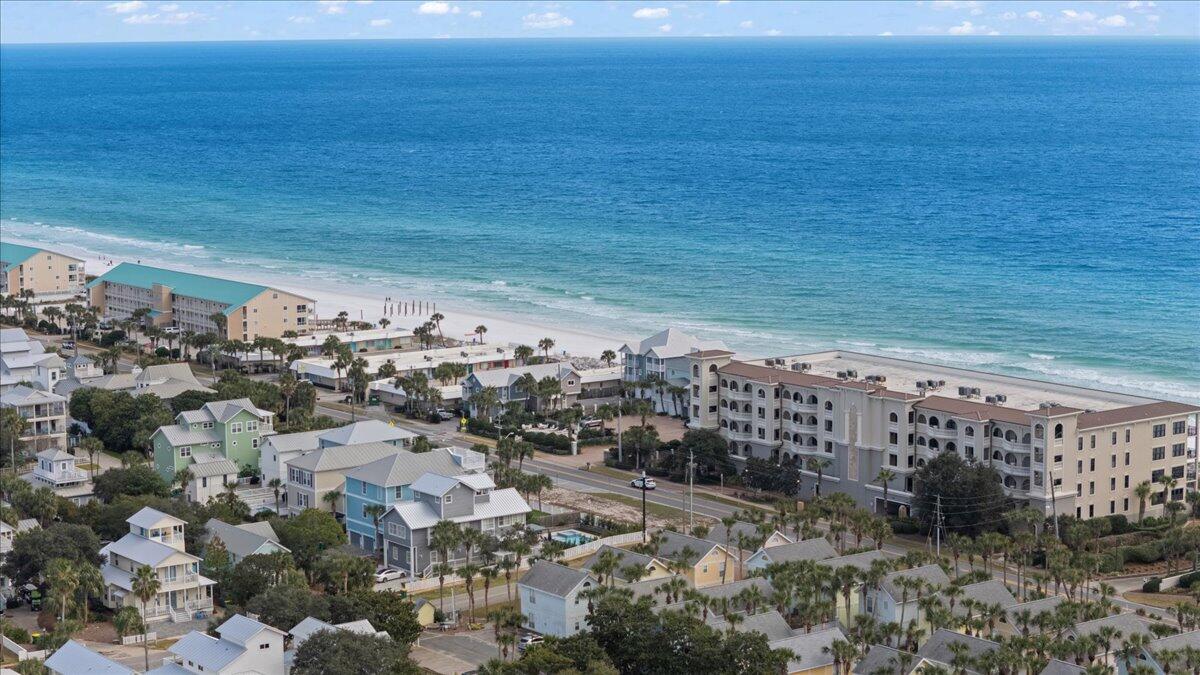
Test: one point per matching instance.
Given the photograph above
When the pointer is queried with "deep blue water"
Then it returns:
(1028, 206)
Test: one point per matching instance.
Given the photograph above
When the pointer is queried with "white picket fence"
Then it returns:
(139, 638)
(573, 553)
(22, 653)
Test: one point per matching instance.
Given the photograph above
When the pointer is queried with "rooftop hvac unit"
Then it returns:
(975, 391)
(851, 373)
(841, 374)
(1001, 398)
(806, 366)
(964, 391)
(463, 354)
(428, 358)
(990, 399)
(1045, 404)
(798, 367)
(930, 383)
(921, 384)
(880, 378)
(941, 383)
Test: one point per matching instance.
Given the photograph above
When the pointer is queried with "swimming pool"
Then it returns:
(572, 537)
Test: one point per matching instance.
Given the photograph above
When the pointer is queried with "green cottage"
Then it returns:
(231, 429)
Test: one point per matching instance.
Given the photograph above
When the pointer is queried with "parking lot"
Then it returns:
(455, 652)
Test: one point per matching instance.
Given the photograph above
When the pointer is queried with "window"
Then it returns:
(185, 451)
(1158, 453)
(1092, 464)
(362, 487)
(1178, 427)
(970, 451)
(365, 515)
(893, 418)
(1114, 438)
(1058, 432)
(893, 438)
(1177, 471)
(1127, 482)
(1127, 459)
(762, 413)
(1127, 435)
(1177, 450)
(828, 425)
(1091, 487)
(252, 426)
(1079, 444)
(1092, 443)
(1114, 461)
(448, 499)
(265, 645)
(235, 428)
(892, 460)
(1079, 466)
(254, 442)
(1112, 483)
(1160, 430)
(1079, 489)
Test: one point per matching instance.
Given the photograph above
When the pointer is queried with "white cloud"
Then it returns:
(433, 7)
(665, 28)
(332, 6)
(1008, 16)
(652, 13)
(380, 23)
(724, 2)
(1034, 15)
(1140, 5)
(170, 19)
(1152, 18)
(886, 33)
(126, 7)
(475, 14)
(168, 8)
(1073, 16)
(300, 19)
(968, 28)
(364, 2)
(546, 20)
(774, 32)
(746, 24)
(1114, 21)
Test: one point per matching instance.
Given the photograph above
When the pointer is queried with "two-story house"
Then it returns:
(312, 476)
(389, 480)
(56, 468)
(705, 563)
(45, 416)
(232, 429)
(277, 450)
(893, 599)
(73, 658)
(243, 646)
(244, 540)
(23, 359)
(549, 596)
(471, 500)
(156, 540)
(815, 549)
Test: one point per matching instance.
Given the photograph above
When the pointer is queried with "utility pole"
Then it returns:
(643, 506)
(691, 489)
(620, 455)
(1054, 504)
(940, 524)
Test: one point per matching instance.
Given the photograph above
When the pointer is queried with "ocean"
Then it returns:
(1027, 206)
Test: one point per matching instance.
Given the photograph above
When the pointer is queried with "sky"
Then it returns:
(37, 21)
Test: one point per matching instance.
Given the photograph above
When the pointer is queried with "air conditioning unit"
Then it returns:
(941, 383)
(975, 391)
(880, 378)
(921, 385)
(463, 354)
(930, 384)
(499, 350)
(964, 391)
(1001, 398)
(990, 399)
(852, 373)
(841, 374)
(798, 367)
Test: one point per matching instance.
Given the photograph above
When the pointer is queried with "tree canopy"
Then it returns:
(347, 653)
(972, 498)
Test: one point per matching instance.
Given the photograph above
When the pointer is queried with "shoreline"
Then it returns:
(458, 322)
(580, 340)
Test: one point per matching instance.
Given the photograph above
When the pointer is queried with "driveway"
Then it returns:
(458, 652)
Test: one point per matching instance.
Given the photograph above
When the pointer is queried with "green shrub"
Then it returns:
(1143, 554)
(1188, 580)
(905, 526)
(1152, 585)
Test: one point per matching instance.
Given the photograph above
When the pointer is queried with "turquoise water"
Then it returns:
(1025, 206)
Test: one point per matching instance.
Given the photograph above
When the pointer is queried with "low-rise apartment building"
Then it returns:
(50, 276)
(389, 480)
(156, 540)
(576, 385)
(471, 500)
(45, 416)
(842, 417)
(665, 356)
(231, 429)
(321, 371)
(188, 302)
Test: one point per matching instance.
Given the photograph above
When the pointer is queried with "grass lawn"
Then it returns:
(659, 510)
(1160, 600)
(87, 467)
(611, 472)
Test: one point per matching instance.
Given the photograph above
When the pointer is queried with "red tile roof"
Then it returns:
(973, 409)
(1134, 413)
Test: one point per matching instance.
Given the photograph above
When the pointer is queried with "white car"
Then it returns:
(643, 483)
(528, 640)
(386, 574)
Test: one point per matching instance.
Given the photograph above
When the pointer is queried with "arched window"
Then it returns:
(797, 398)
(969, 430)
(933, 444)
(712, 368)
(933, 422)
(812, 399)
(997, 433)
(921, 440)
(812, 420)
(1025, 484)
(812, 440)
(951, 447)
(829, 405)
(1010, 436)
(724, 383)
(1058, 431)
(733, 448)
(724, 424)
(893, 418)
(747, 408)
(951, 425)
(1010, 482)
(1025, 439)
(1010, 459)
(762, 394)
(997, 455)
(921, 419)
(1039, 432)
(746, 428)
(920, 462)
(787, 436)
(695, 370)
(748, 388)
(747, 450)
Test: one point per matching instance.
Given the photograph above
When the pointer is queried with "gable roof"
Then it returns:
(309, 626)
(1034, 607)
(674, 544)
(878, 659)
(1056, 667)
(211, 653)
(716, 533)
(817, 548)
(182, 434)
(148, 518)
(1175, 642)
(215, 289)
(23, 395)
(860, 561)
(555, 579)
(625, 558)
(74, 659)
(671, 343)
(419, 515)
(341, 457)
(732, 588)
(404, 467)
(991, 591)
(930, 574)
(938, 646)
(300, 441)
(366, 431)
(143, 551)
(769, 623)
(242, 540)
(1128, 624)
(219, 467)
(434, 484)
(15, 254)
(239, 628)
(507, 377)
(810, 649)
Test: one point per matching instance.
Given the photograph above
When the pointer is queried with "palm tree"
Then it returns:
(524, 353)
(485, 401)
(885, 476)
(276, 486)
(608, 356)
(145, 586)
(1142, 491)
(436, 318)
(818, 465)
(331, 498)
(546, 344)
(183, 477)
(1168, 482)
(507, 565)
(444, 537)
(63, 578)
(127, 622)
(480, 331)
(844, 654)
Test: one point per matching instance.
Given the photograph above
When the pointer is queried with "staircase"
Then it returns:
(180, 616)
(257, 499)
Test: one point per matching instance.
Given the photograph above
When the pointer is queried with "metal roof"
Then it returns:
(221, 467)
(367, 431)
(342, 457)
(817, 548)
(224, 291)
(242, 540)
(74, 659)
(404, 468)
(938, 646)
(675, 544)
(149, 518)
(238, 629)
(810, 649)
(434, 484)
(143, 551)
(179, 434)
(506, 502)
(207, 651)
(555, 579)
(931, 574)
(15, 254)
(770, 623)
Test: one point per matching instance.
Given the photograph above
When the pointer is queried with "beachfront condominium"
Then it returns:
(843, 417)
(47, 276)
(663, 357)
(190, 302)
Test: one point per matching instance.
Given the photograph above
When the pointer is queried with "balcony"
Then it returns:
(801, 428)
(180, 581)
(736, 414)
(801, 406)
(735, 435)
(737, 394)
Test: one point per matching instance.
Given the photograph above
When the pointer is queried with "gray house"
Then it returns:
(471, 500)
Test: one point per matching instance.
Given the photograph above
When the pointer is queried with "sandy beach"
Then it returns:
(366, 303)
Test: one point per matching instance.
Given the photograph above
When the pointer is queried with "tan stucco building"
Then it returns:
(50, 276)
